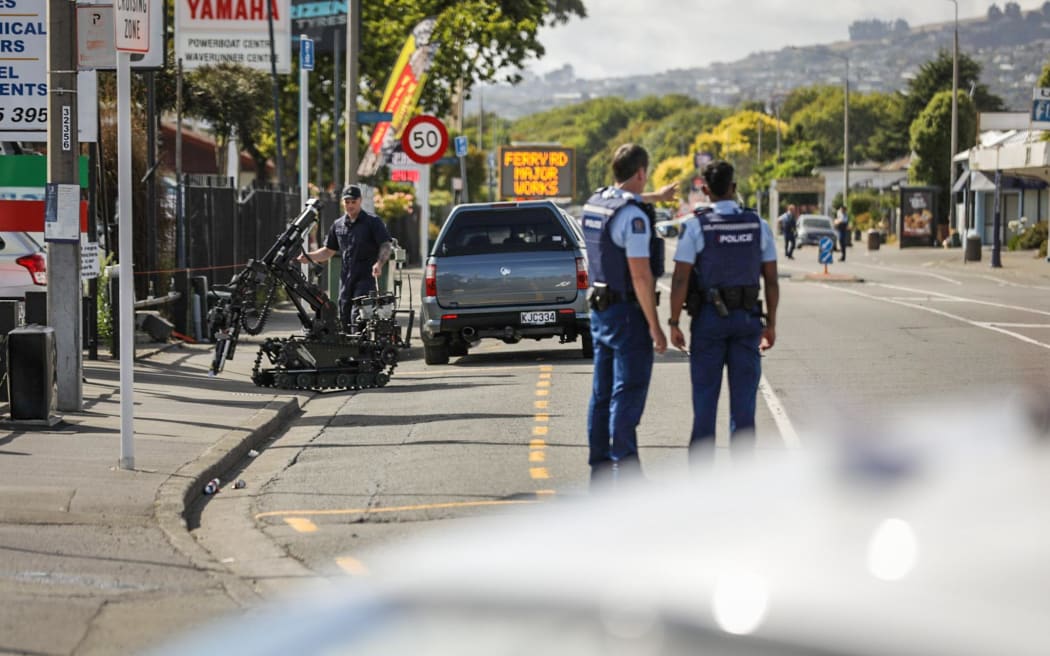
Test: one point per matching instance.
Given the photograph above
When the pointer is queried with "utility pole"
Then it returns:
(955, 126)
(845, 143)
(63, 149)
(276, 91)
(353, 44)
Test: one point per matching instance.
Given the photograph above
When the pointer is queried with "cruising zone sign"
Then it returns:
(425, 139)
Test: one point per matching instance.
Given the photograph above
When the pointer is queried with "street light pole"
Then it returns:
(955, 123)
(845, 143)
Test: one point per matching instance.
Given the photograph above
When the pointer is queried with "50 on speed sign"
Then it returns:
(425, 139)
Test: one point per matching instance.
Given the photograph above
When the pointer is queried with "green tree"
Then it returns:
(931, 142)
(480, 41)
(1044, 78)
(936, 75)
(229, 98)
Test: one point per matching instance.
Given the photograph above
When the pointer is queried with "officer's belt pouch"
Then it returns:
(739, 298)
(601, 297)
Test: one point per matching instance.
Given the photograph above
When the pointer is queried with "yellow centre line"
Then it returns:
(546, 376)
(543, 392)
(537, 444)
(543, 383)
(539, 430)
(541, 405)
(301, 524)
(352, 566)
(393, 509)
(546, 367)
(539, 473)
(537, 456)
(542, 417)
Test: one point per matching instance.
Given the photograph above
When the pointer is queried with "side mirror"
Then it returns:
(3, 244)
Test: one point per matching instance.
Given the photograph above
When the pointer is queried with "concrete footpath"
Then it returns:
(1018, 267)
(95, 559)
(99, 560)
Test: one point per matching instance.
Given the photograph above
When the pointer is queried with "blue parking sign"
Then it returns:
(306, 53)
(461, 146)
(827, 246)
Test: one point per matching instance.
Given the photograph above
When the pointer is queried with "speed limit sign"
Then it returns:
(425, 139)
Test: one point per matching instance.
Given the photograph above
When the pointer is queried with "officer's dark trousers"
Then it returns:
(717, 343)
(623, 364)
(789, 244)
(349, 290)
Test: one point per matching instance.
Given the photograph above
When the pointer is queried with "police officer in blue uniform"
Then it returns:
(364, 244)
(724, 251)
(624, 256)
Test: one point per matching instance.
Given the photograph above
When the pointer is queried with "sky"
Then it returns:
(652, 36)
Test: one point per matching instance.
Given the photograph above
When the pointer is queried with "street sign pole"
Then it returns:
(306, 64)
(423, 191)
(130, 35)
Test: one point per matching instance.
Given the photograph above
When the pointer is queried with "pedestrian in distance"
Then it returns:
(364, 244)
(789, 227)
(625, 256)
(842, 227)
(725, 251)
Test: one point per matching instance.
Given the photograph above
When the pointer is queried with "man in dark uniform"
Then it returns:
(727, 250)
(364, 244)
(624, 257)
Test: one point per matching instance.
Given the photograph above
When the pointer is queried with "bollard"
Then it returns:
(874, 240)
(973, 247)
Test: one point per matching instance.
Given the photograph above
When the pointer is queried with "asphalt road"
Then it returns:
(505, 426)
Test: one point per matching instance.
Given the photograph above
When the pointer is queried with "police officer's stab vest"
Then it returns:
(732, 254)
(607, 262)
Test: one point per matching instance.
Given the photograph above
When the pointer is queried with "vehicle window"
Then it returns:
(504, 231)
(816, 222)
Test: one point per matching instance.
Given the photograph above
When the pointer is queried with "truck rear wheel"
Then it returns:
(435, 353)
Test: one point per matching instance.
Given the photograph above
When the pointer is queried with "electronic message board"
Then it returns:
(537, 172)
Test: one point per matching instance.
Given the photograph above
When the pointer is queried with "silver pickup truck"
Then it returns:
(507, 271)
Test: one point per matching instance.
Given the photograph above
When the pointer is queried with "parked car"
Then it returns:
(23, 265)
(811, 227)
(506, 271)
(672, 227)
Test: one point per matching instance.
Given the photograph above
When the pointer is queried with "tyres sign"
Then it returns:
(537, 172)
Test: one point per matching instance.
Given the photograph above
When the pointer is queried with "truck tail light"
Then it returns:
(37, 267)
(581, 274)
(430, 281)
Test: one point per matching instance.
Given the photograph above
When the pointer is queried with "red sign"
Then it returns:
(425, 139)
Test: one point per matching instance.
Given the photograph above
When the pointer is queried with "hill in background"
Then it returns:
(1010, 46)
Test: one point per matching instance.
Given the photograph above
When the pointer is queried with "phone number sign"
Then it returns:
(23, 70)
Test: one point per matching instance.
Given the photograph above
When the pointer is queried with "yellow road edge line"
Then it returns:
(546, 493)
(376, 511)
(301, 524)
(352, 566)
